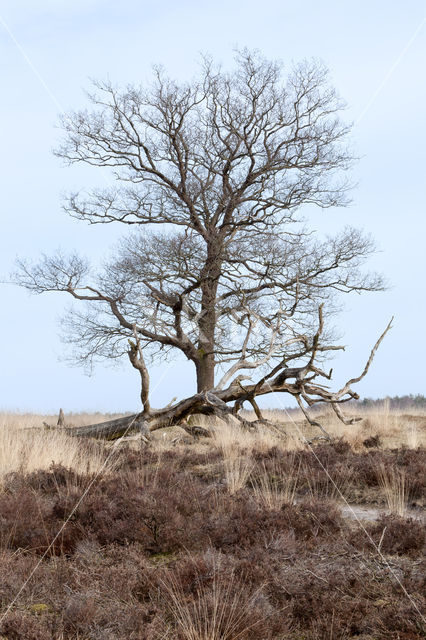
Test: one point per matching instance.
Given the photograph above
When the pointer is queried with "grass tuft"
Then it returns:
(273, 488)
(393, 484)
(218, 609)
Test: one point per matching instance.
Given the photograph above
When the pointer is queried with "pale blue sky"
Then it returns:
(376, 55)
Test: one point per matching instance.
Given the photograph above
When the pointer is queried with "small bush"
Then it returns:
(396, 535)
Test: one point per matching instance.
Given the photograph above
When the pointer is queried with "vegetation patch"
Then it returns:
(161, 547)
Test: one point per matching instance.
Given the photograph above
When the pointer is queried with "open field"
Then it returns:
(242, 536)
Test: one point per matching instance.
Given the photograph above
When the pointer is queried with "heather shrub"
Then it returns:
(45, 481)
(159, 516)
(396, 535)
(245, 523)
(29, 521)
(159, 548)
(412, 462)
(339, 461)
(22, 625)
(206, 601)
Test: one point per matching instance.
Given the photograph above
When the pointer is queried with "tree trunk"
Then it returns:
(207, 322)
(205, 372)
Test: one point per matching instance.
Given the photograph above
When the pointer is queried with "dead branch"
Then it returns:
(216, 402)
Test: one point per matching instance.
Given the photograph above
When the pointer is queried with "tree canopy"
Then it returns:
(212, 176)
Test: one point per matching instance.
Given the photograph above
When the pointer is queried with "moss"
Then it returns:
(40, 607)
(163, 558)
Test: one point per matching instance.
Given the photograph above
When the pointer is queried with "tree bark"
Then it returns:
(138, 362)
(112, 429)
(205, 365)
(205, 372)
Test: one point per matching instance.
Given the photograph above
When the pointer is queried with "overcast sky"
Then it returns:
(48, 51)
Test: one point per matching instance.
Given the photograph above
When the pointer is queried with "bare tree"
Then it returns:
(232, 278)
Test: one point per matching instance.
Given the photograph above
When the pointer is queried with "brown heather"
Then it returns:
(167, 545)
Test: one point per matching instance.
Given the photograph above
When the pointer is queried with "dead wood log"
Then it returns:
(112, 429)
(60, 423)
(205, 403)
(215, 402)
(195, 430)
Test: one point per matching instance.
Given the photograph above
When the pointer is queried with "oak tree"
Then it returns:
(212, 176)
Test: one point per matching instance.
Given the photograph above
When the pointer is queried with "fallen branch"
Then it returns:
(215, 402)
(112, 429)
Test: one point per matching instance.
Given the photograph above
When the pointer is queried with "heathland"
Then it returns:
(263, 535)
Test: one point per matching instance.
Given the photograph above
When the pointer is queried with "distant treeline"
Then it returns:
(394, 402)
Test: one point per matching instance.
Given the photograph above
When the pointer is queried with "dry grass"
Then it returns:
(237, 445)
(25, 447)
(396, 429)
(413, 436)
(237, 470)
(230, 436)
(273, 489)
(392, 483)
(217, 612)
(28, 420)
(232, 441)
